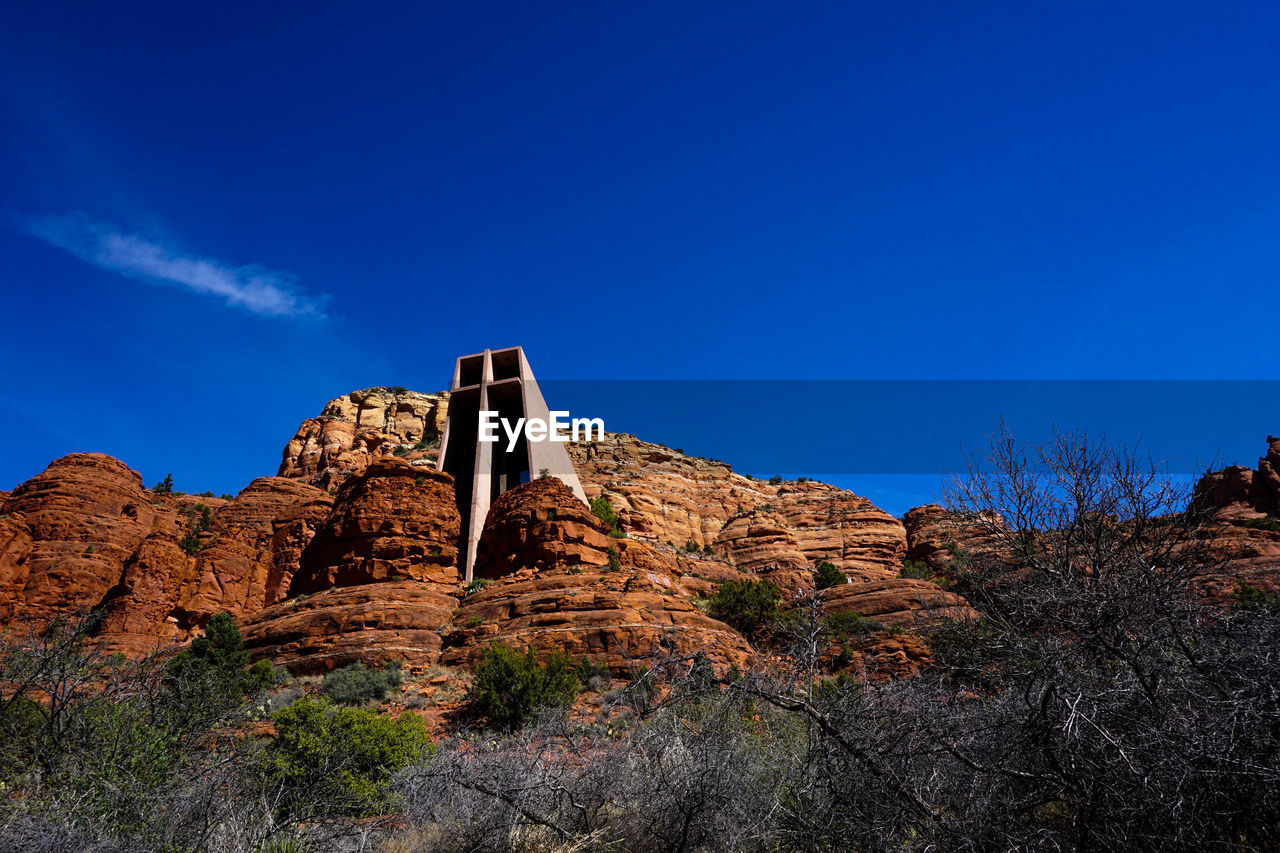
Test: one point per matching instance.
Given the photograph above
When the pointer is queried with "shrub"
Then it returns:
(603, 510)
(213, 673)
(340, 757)
(826, 575)
(1246, 593)
(775, 480)
(475, 586)
(356, 684)
(915, 570)
(850, 623)
(199, 520)
(508, 687)
(615, 562)
(747, 605)
(1267, 522)
(402, 450)
(591, 675)
(165, 486)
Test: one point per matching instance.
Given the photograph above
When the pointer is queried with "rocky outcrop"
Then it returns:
(1238, 493)
(394, 522)
(562, 583)
(666, 497)
(1242, 505)
(536, 527)
(899, 602)
(760, 543)
(166, 595)
(377, 581)
(936, 535)
(839, 527)
(70, 531)
(86, 534)
(374, 623)
(354, 430)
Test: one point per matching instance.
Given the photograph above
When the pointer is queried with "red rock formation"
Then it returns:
(165, 595)
(664, 496)
(935, 535)
(557, 590)
(759, 543)
(376, 582)
(534, 526)
(395, 522)
(354, 430)
(1243, 505)
(84, 516)
(374, 623)
(897, 602)
(85, 533)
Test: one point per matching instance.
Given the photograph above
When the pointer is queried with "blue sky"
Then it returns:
(217, 218)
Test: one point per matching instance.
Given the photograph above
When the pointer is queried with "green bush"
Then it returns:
(357, 684)
(591, 674)
(343, 757)
(603, 510)
(1267, 522)
(915, 570)
(1246, 593)
(747, 605)
(826, 575)
(199, 520)
(615, 561)
(165, 486)
(213, 673)
(475, 586)
(849, 623)
(775, 480)
(508, 687)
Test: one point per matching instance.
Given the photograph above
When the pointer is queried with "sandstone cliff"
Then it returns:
(354, 430)
(86, 533)
(376, 582)
(562, 583)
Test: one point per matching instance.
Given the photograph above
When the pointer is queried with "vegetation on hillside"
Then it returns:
(1101, 702)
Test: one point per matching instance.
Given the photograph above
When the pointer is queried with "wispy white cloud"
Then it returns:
(263, 291)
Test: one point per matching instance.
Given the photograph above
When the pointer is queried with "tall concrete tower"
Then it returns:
(495, 381)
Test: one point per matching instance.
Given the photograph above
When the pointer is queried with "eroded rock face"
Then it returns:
(394, 522)
(534, 526)
(85, 534)
(374, 623)
(1238, 493)
(377, 581)
(760, 543)
(558, 587)
(71, 528)
(1242, 505)
(936, 535)
(664, 496)
(361, 427)
(899, 602)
